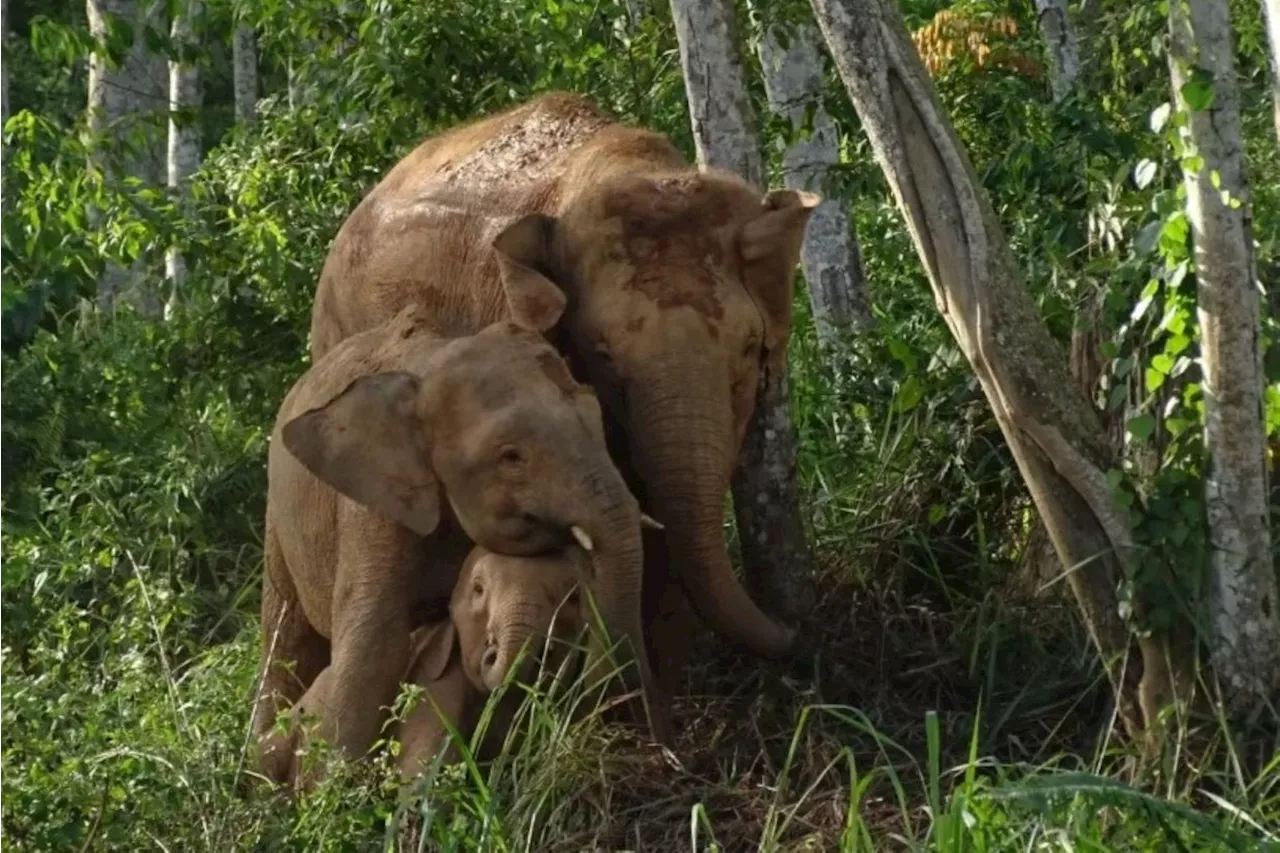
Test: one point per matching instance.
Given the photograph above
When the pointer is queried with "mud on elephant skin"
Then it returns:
(501, 607)
(390, 458)
(678, 288)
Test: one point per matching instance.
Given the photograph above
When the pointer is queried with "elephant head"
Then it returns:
(501, 603)
(494, 426)
(679, 294)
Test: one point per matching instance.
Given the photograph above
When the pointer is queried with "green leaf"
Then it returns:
(909, 395)
(1142, 426)
(1198, 91)
(1153, 379)
(1162, 363)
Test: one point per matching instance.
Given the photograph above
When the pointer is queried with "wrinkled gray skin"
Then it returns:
(390, 457)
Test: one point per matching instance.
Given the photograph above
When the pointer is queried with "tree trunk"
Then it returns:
(124, 98)
(184, 130)
(1271, 18)
(775, 553)
(245, 73)
(1245, 602)
(831, 258)
(4, 66)
(1060, 41)
(1051, 428)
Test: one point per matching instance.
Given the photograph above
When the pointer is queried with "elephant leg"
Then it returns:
(373, 605)
(293, 655)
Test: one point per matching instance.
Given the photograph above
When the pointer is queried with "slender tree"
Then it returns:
(1245, 602)
(775, 553)
(1271, 17)
(4, 66)
(792, 68)
(184, 129)
(125, 95)
(245, 73)
(1051, 428)
(1060, 41)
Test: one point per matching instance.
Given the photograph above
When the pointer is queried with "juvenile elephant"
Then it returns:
(499, 604)
(390, 457)
(678, 286)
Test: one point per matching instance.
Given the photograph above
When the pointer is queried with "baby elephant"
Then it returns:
(394, 455)
(499, 604)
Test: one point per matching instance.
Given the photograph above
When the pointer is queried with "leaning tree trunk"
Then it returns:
(1245, 602)
(775, 553)
(1271, 17)
(245, 74)
(123, 98)
(184, 130)
(1051, 428)
(831, 258)
(1060, 41)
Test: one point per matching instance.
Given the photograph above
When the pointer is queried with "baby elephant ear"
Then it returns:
(536, 303)
(370, 445)
(432, 650)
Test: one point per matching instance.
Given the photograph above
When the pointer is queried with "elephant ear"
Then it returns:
(433, 649)
(769, 246)
(370, 444)
(536, 303)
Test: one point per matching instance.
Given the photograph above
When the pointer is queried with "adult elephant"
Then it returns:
(678, 287)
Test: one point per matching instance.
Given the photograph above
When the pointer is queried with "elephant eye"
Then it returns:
(477, 589)
(511, 455)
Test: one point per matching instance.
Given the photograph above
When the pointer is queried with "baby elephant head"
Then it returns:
(500, 604)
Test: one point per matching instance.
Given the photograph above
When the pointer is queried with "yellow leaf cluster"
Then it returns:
(952, 35)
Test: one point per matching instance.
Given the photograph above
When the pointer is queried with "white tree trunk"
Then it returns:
(775, 553)
(1051, 428)
(1243, 590)
(245, 73)
(1060, 40)
(124, 103)
(1271, 17)
(184, 129)
(4, 65)
(831, 258)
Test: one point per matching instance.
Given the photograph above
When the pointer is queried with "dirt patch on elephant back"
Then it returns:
(529, 150)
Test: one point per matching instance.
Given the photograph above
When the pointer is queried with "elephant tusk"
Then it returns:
(651, 522)
(583, 539)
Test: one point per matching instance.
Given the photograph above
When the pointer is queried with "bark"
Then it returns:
(775, 553)
(1051, 428)
(245, 73)
(1271, 18)
(124, 101)
(184, 130)
(4, 66)
(831, 258)
(1244, 600)
(1060, 42)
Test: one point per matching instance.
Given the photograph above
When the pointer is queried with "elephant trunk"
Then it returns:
(519, 625)
(611, 524)
(682, 441)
